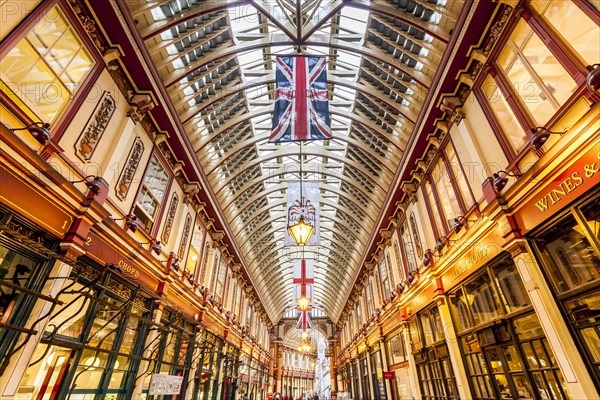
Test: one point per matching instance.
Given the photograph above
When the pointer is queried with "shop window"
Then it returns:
(435, 374)
(152, 192)
(482, 300)
(88, 346)
(460, 310)
(396, 347)
(47, 66)
(16, 271)
(493, 354)
(540, 360)
(571, 260)
(512, 291)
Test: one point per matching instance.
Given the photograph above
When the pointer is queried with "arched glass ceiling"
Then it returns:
(216, 59)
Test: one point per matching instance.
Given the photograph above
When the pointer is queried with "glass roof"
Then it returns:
(216, 60)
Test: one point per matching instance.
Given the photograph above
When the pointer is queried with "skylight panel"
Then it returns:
(158, 14)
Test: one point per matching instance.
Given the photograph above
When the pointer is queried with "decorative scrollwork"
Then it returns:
(166, 233)
(131, 166)
(95, 127)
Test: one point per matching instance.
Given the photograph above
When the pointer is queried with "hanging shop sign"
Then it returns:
(574, 181)
(26, 199)
(165, 384)
(391, 375)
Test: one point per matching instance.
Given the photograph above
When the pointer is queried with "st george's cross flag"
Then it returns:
(303, 279)
(301, 100)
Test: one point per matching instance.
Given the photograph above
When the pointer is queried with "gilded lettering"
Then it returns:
(543, 203)
(555, 195)
(578, 180)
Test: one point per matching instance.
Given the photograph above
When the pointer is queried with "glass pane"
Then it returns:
(592, 341)
(504, 114)
(106, 323)
(512, 358)
(511, 286)
(482, 299)
(447, 197)
(90, 369)
(80, 64)
(34, 68)
(427, 331)
(494, 359)
(69, 319)
(530, 357)
(523, 387)
(459, 310)
(48, 30)
(120, 370)
(503, 386)
(409, 249)
(568, 255)
(528, 327)
(17, 270)
(583, 36)
(436, 323)
(591, 213)
(434, 211)
(585, 310)
(538, 78)
(558, 82)
(459, 176)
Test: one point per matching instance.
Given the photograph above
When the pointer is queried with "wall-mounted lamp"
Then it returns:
(500, 182)
(441, 243)
(457, 225)
(593, 78)
(154, 245)
(427, 258)
(540, 134)
(93, 184)
(130, 222)
(411, 277)
(400, 288)
(39, 131)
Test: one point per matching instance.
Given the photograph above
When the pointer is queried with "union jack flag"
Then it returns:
(304, 319)
(301, 102)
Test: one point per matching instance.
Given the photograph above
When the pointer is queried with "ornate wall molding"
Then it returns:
(166, 233)
(95, 127)
(187, 228)
(131, 166)
(415, 233)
